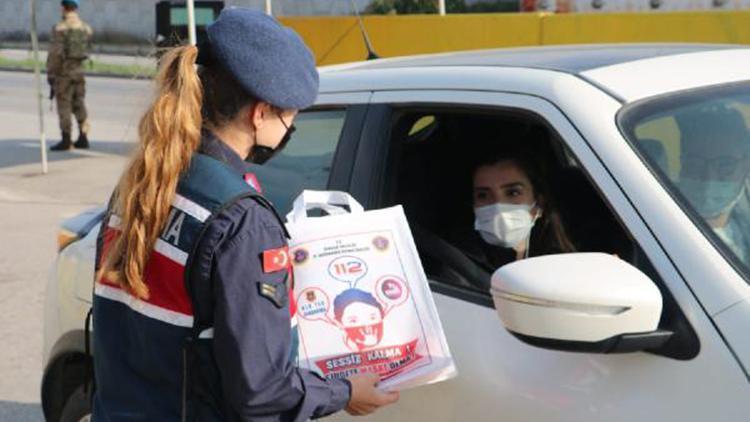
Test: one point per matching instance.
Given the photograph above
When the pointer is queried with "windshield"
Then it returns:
(700, 144)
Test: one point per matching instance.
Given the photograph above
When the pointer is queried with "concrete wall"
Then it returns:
(646, 5)
(711, 27)
(135, 20)
(338, 39)
(130, 19)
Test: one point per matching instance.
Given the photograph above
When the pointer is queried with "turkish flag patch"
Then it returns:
(276, 260)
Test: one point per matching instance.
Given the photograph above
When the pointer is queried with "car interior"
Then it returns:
(432, 155)
(430, 164)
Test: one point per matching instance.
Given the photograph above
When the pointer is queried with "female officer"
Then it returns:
(191, 307)
(514, 214)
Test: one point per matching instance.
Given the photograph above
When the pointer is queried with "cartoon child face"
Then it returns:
(363, 324)
(360, 315)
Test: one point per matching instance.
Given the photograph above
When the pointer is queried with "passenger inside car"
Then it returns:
(437, 155)
(714, 172)
(515, 216)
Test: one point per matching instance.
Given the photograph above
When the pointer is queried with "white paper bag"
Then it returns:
(363, 303)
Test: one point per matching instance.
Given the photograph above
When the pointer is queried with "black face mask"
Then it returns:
(259, 154)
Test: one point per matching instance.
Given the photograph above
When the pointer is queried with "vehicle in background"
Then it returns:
(172, 22)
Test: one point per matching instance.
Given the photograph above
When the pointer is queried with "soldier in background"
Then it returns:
(69, 46)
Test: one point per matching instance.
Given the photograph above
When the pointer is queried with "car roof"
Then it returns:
(561, 58)
(626, 72)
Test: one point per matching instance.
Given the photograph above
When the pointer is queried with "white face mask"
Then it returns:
(504, 225)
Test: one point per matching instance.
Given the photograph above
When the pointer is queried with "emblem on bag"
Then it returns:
(313, 304)
(380, 243)
(300, 256)
(392, 289)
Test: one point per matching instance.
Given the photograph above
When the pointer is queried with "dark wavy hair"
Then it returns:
(551, 231)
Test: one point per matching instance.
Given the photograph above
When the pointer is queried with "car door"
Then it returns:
(501, 378)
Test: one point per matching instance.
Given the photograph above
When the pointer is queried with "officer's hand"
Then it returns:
(366, 398)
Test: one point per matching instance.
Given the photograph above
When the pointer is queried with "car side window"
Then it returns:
(699, 142)
(306, 161)
(484, 189)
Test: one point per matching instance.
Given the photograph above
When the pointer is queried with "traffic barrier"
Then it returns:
(339, 39)
(709, 27)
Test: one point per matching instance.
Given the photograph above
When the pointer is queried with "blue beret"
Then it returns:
(75, 3)
(270, 61)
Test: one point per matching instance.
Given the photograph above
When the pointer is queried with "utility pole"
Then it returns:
(269, 11)
(37, 79)
(441, 7)
(191, 22)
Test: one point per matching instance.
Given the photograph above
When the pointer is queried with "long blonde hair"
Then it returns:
(169, 134)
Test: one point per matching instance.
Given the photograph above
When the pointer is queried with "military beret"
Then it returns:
(270, 61)
(75, 3)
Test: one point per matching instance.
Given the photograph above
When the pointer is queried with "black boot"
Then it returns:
(64, 145)
(82, 142)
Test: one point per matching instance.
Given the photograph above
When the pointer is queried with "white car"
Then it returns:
(655, 327)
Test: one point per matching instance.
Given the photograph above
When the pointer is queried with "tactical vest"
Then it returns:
(179, 377)
(76, 45)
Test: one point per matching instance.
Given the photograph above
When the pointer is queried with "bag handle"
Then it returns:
(329, 201)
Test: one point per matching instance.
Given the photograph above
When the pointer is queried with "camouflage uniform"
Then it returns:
(69, 46)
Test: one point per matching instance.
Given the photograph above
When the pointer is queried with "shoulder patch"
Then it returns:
(276, 260)
(276, 293)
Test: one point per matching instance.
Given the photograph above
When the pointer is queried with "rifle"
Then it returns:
(51, 83)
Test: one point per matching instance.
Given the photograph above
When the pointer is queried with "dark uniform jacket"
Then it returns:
(213, 341)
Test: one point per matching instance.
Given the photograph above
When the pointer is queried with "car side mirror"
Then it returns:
(584, 302)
